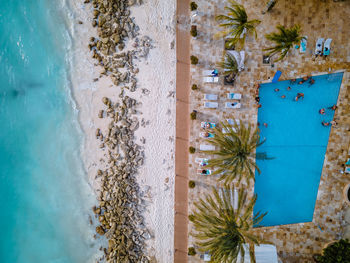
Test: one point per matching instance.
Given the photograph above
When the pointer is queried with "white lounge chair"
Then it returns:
(201, 172)
(231, 121)
(318, 49)
(207, 147)
(232, 105)
(327, 47)
(303, 44)
(204, 125)
(211, 105)
(201, 161)
(234, 96)
(203, 135)
(210, 97)
(211, 79)
(210, 72)
(241, 62)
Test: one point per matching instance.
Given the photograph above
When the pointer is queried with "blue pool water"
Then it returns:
(44, 197)
(288, 184)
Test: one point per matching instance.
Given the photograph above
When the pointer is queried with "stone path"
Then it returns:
(297, 242)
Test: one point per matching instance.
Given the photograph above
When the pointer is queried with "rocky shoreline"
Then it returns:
(120, 206)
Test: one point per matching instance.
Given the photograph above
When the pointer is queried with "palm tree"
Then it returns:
(222, 225)
(235, 152)
(284, 40)
(236, 24)
(229, 66)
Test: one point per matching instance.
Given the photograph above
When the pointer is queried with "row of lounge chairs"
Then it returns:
(326, 46)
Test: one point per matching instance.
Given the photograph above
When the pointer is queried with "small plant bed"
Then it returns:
(194, 30)
(193, 6)
(194, 60)
(193, 115)
(194, 87)
(191, 184)
(192, 149)
(191, 251)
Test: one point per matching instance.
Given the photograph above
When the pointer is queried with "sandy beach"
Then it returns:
(155, 94)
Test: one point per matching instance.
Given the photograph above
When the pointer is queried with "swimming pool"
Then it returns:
(295, 138)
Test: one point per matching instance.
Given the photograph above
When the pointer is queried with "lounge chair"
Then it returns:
(211, 72)
(231, 121)
(234, 96)
(277, 76)
(207, 147)
(241, 62)
(232, 105)
(303, 44)
(204, 125)
(327, 47)
(211, 105)
(203, 135)
(201, 161)
(204, 172)
(211, 79)
(210, 97)
(348, 162)
(318, 49)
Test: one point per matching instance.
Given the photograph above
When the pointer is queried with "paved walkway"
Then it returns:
(297, 242)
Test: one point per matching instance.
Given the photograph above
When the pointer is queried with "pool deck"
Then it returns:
(297, 242)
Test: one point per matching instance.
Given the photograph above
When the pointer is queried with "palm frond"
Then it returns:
(236, 24)
(220, 228)
(234, 157)
(283, 40)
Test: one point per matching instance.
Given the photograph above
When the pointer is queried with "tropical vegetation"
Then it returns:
(234, 156)
(284, 40)
(229, 66)
(236, 25)
(338, 252)
(222, 224)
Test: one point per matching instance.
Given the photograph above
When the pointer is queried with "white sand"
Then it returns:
(156, 19)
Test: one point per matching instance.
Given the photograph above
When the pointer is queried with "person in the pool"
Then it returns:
(265, 124)
(283, 96)
(312, 81)
(322, 111)
(325, 123)
(334, 107)
(289, 88)
(292, 81)
(299, 95)
(276, 90)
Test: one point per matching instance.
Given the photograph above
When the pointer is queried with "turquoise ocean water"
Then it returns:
(45, 199)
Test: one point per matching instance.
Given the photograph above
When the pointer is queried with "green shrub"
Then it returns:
(194, 60)
(191, 184)
(194, 87)
(193, 115)
(191, 251)
(192, 149)
(335, 252)
(193, 30)
(191, 217)
(193, 6)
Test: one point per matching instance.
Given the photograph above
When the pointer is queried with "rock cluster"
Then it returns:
(119, 210)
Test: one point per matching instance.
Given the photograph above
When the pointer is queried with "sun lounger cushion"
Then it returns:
(211, 79)
(234, 96)
(211, 105)
(303, 45)
(210, 97)
(319, 43)
(207, 147)
(232, 105)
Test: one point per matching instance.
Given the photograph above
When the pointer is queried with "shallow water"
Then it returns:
(288, 184)
(45, 199)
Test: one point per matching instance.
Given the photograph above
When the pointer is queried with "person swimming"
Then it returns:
(292, 81)
(299, 95)
(312, 81)
(334, 107)
(265, 124)
(322, 111)
(289, 88)
(276, 90)
(283, 96)
(325, 123)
